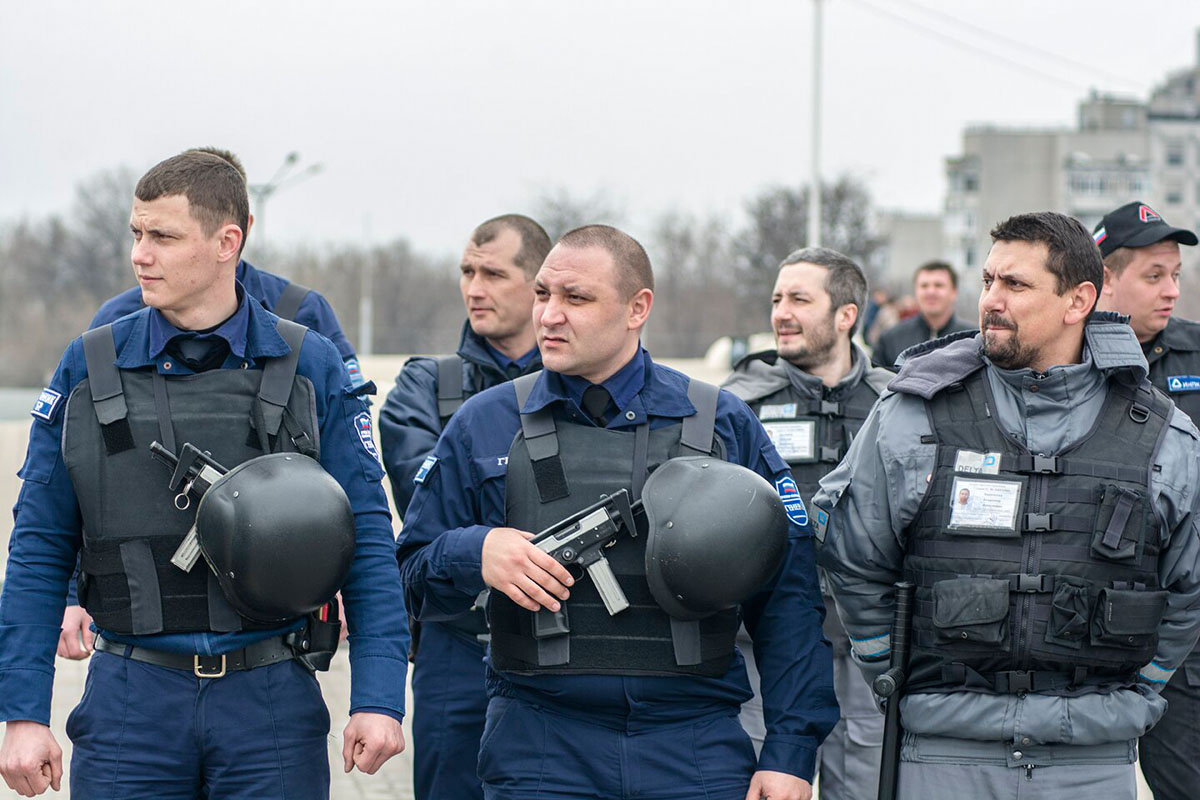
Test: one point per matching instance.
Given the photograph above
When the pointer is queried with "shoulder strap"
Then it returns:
(104, 383)
(288, 304)
(450, 386)
(697, 433)
(278, 376)
(541, 440)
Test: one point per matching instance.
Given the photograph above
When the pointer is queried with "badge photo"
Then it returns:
(987, 507)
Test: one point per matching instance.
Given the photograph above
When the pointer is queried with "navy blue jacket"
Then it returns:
(47, 532)
(315, 313)
(460, 497)
(409, 424)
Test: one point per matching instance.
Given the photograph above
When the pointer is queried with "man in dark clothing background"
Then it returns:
(935, 285)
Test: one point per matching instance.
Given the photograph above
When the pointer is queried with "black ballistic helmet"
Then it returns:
(278, 532)
(716, 534)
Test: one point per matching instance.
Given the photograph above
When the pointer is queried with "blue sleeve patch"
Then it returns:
(43, 407)
(1183, 383)
(821, 518)
(793, 503)
(362, 424)
(423, 472)
(355, 371)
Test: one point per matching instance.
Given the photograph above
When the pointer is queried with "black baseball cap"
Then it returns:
(1136, 225)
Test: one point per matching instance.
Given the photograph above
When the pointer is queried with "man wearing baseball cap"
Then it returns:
(1141, 278)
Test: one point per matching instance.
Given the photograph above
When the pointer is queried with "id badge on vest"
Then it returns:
(795, 439)
(983, 506)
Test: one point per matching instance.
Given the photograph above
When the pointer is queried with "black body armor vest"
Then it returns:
(1035, 572)
(131, 522)
(558, 468)
(1174, 360)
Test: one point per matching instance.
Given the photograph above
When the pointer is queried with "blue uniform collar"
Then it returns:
(504, 361)
(637, 387)
(474, 348)
(250, 333)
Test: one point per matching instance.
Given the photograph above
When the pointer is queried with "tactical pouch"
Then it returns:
(971, 610)
(1069, 609)
(1128, 618)
(1120, 524)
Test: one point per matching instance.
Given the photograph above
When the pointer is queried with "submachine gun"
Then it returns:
(193, 473)
(579, 541)
(889, 687)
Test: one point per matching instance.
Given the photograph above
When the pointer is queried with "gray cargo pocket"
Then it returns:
(1128, 618)
(1120, 524)
(971, 610)
(1069, 609)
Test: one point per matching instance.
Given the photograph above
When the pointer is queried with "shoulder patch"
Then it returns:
(47, 402)
(820, 523)
(793, 503)
(426, 466)
(362, 424)
(355, 371)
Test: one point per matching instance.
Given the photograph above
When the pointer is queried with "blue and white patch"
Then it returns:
(778, 411)
(355, 372)
(362, 424)
(793, 503)
(43, 407)
(1183, 383)
(423, 472)
(821, 523)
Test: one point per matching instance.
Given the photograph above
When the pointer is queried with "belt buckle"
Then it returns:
(202, 670)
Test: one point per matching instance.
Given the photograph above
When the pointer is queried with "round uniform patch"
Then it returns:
(362, 424)
(793, 503)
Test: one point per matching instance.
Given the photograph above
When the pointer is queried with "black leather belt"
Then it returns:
(259, 654)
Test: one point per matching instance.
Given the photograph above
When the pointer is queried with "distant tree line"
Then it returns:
(713, 275)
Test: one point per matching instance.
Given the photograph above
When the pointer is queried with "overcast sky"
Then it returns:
(429, 117)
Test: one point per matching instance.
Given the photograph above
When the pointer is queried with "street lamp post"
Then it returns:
(284, 177)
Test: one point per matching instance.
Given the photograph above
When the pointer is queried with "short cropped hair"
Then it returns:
(633, 265)
(1073, 256)
(937, 266)
(221, 152)
(1118, 260)
(215, 190)
(844, 279)
(535, 242)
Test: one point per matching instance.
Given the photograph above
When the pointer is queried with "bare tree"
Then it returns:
(558, 210)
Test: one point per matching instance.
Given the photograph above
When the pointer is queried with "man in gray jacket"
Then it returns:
(1052, 608)
(812, 394)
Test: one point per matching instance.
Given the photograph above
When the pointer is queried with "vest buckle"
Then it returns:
(829, 408)
(208, 666)
(1046, 465)
(1139, 413)
(1038, 522)
(1018, 681)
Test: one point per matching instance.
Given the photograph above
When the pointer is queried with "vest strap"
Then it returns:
(278, 376)
(162, 408)
(145, 601)
(450, 387)
(541, 438)
(104, 382)
(697, 432)
(288, 304)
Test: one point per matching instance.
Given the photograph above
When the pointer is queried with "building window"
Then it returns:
(970, 183)
(1175, 153)
(1174, 195)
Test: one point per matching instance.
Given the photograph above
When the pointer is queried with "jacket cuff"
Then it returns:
(794, 755)
(25, 695)
(466, 567)
(377, 682)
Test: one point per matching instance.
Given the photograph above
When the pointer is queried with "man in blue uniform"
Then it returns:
(497, 344)
(187, 696)
(1142, 265)
(278, 295)
(638, 704)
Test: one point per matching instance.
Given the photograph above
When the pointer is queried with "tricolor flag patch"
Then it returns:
(793, 503)
(362, 424)
(1100, 235)
(43, 407)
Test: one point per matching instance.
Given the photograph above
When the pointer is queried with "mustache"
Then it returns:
(994, 320)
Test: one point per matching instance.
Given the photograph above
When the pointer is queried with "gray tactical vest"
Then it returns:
(556, 468)
(131, 524)
(1043, 577)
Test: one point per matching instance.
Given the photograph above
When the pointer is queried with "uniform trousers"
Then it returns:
(529, 752)
(1170, 751)
(144, 731)
(449, 704)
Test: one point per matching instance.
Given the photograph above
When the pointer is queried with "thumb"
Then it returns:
(349, 742)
